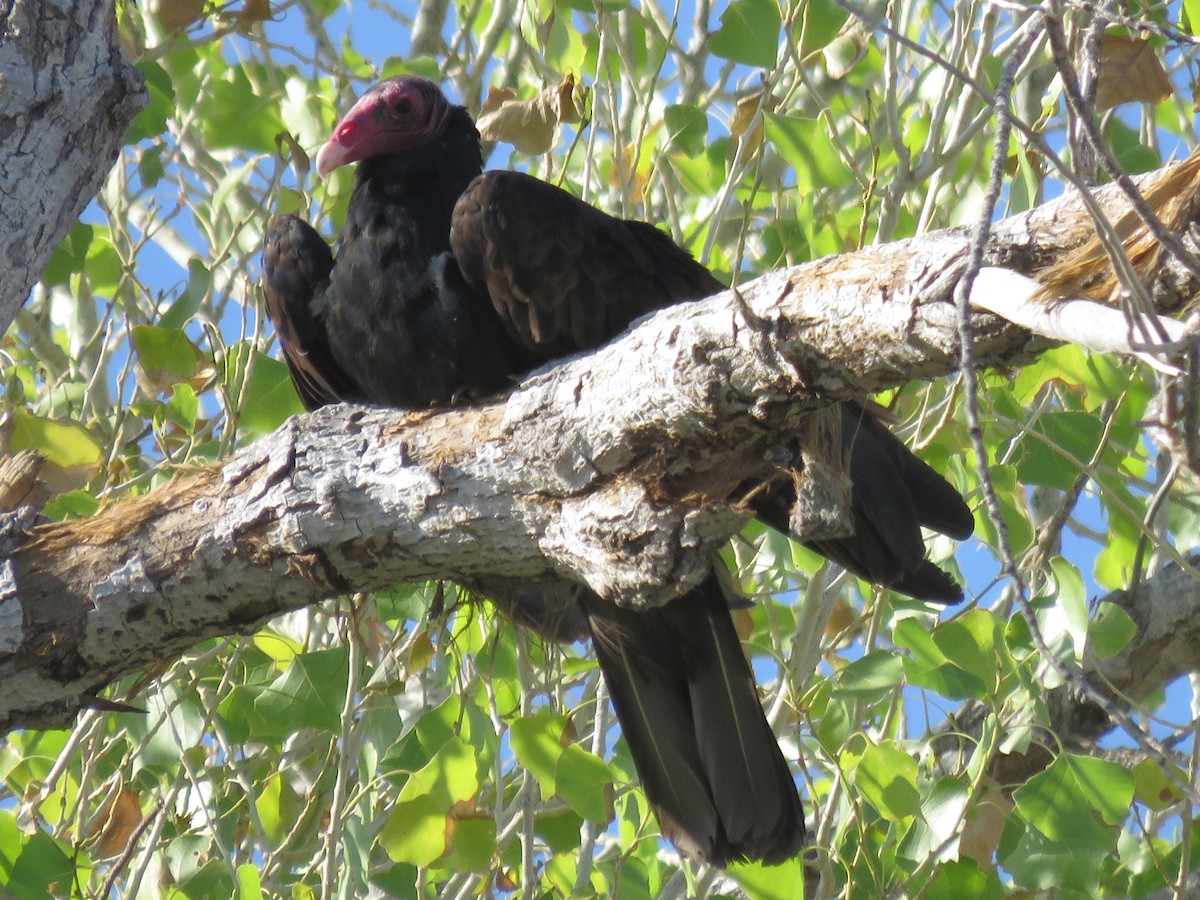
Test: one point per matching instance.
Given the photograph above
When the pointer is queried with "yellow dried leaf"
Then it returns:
(420, 653)
(1129, 71)
(529, 125)
(743, 128)
(841, 620)
(743, 623)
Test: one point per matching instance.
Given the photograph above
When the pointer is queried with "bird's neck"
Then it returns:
(425, 182)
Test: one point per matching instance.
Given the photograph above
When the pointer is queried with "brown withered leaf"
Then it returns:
(529, 124)
(842, 622)
(572, 99)
(506, 880)
(740, 130)
(116, 822)
(176, 15)
(1129, 71)
(253, 11)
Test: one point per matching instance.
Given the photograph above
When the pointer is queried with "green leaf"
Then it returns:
(189, 302)
(1191, 10)
(1107, 787)
(151, 166)
(873, 675)
(833, 727)
(450, 777)
(212, 879)
(11, 842)
(42, 862)
(805, 144)
(961, 878)
(103, 265)
(183, 407)
(560, 832)
(749, 33)
(1039, 863)
(278, 647)
(172, 723)
(584, 781)
(69, 256)
(472, 844)
(929, 668)
(969, 641)
(887, 778)
(1110, 631)
(1152, 787)
(167, 355)
(274, 804)
(1133, 155)
(821, 22)
(1067, 440)
(1074, 788)
(238, 115)
(152, 120)
(63, 443)
(249, 884)
(537, 744)
(760, 882)
(270, 396)
(420, 825)
(687, 128)
(1011, 494)
(590, 6)
(941, 818)
(1069, 613)
(309, 694)
(239, 718)
(78, 504)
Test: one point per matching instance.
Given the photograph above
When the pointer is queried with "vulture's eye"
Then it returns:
(404, 105)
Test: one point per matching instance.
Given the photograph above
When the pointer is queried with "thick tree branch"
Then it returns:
(69, 96)
(619, 470)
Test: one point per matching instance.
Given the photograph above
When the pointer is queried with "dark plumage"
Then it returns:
(450, 282)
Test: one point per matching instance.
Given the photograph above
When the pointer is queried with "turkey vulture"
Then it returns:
(448, 282)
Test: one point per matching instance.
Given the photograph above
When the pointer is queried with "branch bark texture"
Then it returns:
(68, 97)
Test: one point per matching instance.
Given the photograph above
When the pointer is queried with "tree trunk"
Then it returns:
(69, 96)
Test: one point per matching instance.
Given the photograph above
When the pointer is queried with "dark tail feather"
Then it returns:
(893, 494)
(938, 504)
(687, 704)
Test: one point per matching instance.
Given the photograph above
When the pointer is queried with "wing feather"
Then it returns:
(296, 267)
(563, 275)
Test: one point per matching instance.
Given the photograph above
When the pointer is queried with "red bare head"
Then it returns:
(391, 117)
